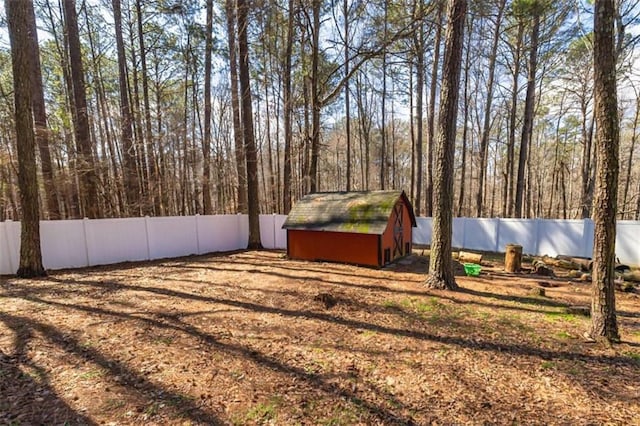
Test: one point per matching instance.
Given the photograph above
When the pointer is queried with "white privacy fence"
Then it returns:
(80, 243)
(536, 236)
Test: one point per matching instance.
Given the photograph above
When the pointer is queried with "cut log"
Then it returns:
(574, 274)
(561, 262)
(541, 268)
(467, 257)
(581, 263)
(513, 258)
(632, 276)
(626, 286)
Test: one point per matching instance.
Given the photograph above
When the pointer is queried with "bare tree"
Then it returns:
(440, 264)
(131, 189)
(19, 33)
(241, 163)
(486, 127)
(432, 111)
(603, 302)
(535, 9)
(247, 121)
(87, 176)
(40, 118)
(206, 143)
(288, 109)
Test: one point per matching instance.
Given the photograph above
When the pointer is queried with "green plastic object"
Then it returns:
(472, 269)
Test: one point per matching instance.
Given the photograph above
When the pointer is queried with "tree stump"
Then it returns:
(513, 258)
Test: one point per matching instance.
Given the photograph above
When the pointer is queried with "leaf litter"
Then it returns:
(255, 338)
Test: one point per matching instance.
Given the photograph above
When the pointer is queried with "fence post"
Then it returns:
(13, 263)
(587, 237)
(5, 249)
(464, 232)
(240, 240)
(537, 239)
(146, 233)
(85, 220)
(197, 234)
(497, 250)
(273, 217)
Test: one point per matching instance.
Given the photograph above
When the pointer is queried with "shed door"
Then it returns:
(398, 234)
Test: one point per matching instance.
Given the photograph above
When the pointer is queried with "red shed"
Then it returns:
(370, 228)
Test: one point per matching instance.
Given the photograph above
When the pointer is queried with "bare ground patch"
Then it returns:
(248, 338)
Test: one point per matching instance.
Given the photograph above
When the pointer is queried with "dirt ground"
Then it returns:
(254, 338)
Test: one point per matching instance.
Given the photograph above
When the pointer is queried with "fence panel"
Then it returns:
(481, 234)
(281, 234)
(564, 237)
(422, 234)
(5, 261)
(587, 235)
(457, 237)
(116, 240)
(518, 231)
(628, 242)
(267, 231)
(11, 246)
(172, 236)
(218, 233)
(63, 244)
(242, 228)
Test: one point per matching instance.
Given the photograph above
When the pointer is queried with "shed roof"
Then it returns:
(363, 212)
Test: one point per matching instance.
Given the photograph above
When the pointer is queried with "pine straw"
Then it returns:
(239, 339)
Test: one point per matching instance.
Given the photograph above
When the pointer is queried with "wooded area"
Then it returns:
(172, 107)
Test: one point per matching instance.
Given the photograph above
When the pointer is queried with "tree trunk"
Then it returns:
(634, 136)
(412, 133)
(465, 129)
(432, 110)
(40, 118)
(603, 302)
(586, 195)
(142, 167)
(18, 19)
(113, 181)
(288, 109)
(513, 115)
(440, 264)
(383, 104)
(420, 70)
(247, 119)
(129, 165)
(241, 163)
(486, 127)
(206, 143)
(347, 110)
(527, 126)
(315, 96)
(153, 187)
(87, 176)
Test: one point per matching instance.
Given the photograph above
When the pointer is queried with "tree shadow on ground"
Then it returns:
(484, 345)
(134, 381)
(174, 322)
(26, 394)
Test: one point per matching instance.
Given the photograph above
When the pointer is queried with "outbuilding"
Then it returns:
(371, 228)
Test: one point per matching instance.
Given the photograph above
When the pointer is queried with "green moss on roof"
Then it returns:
(365, 212)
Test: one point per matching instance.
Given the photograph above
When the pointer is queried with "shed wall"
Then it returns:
(387, 237)
(360, 249)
